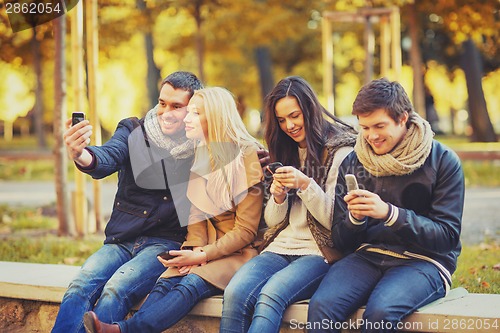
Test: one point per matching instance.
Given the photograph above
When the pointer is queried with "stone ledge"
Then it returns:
(458, 312)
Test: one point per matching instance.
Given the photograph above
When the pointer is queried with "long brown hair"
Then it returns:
(284, 149)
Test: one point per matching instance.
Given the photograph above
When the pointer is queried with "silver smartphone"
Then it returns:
(351, 182)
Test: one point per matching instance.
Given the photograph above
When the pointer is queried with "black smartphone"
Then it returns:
(271, 168)
(76, 117)
(166, 255)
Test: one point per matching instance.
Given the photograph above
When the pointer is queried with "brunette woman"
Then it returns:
(298, 249)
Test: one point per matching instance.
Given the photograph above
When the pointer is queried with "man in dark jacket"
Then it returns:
(401, 228)
(153, 158)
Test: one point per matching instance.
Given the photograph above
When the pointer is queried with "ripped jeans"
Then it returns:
(117, 277)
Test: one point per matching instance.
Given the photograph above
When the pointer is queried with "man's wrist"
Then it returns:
(86, 160)
(392, 215)
(355, 220)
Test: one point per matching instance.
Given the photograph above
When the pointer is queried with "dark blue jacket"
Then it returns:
(139, 211)
(429, 204)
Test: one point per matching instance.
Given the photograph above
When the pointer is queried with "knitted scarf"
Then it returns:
(409, 155)
(321, 235)
(223, 182)
(179, 148)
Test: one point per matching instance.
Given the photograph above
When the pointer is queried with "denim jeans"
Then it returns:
(391, 288)
(170, 300)
(259, 293)
(117, 277)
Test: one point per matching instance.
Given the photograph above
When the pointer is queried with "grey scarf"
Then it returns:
(179, 148)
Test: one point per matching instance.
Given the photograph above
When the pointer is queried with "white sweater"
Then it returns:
(296, 238)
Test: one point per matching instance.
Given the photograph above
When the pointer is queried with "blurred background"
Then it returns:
(249, 45)
(107, 57)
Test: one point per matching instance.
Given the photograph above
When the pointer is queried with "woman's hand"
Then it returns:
(291, 177)
(185, 258)
(279, 191)
(185, 270)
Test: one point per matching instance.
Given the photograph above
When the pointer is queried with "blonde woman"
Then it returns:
(226, 195)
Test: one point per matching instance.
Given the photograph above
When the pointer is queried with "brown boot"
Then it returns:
(93, 325)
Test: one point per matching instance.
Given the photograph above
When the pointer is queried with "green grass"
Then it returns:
(24, 143)
(41, 169)
(24, 169)
(36, 170)
(25, 218)
(478, 269)
(477, 173)
(481, 173)
(48, 249)
(462, 143)
(28, 235)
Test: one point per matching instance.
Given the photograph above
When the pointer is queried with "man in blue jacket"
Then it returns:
(401, 228)
(153, 158)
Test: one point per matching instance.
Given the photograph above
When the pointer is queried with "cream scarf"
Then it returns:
(226, 184)
(179, 148)
(409, 155)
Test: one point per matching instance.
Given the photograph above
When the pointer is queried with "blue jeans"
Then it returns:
(117, 277)
(391, 288)
(259, 293)
(170, 300)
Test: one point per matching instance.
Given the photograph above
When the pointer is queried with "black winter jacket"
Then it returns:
(429, 204)
(144, 204)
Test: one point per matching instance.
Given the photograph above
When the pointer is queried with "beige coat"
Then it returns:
(226, 237)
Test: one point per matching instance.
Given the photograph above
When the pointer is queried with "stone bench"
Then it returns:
(35, 290)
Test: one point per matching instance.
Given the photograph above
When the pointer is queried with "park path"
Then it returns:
(480, 222)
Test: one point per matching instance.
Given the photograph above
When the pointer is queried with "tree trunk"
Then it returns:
(8, 130)
(478, 113)
(153, 78)
(66, 224)
(92, 43)
(38, 108)
(416, 61)
(264, 64)
(200, 45)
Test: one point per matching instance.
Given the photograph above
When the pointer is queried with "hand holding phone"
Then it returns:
(271, 169)
(351, 182)
(77, 117)
(166, 255)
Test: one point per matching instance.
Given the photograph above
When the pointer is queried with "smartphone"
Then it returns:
(271, 169)
(273, 166)
(76, 117)
(351, 182)
(165, 255)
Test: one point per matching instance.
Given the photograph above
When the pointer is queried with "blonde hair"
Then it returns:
(224, 124)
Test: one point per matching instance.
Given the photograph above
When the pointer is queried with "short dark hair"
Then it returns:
(383, 94)
(183, 80)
